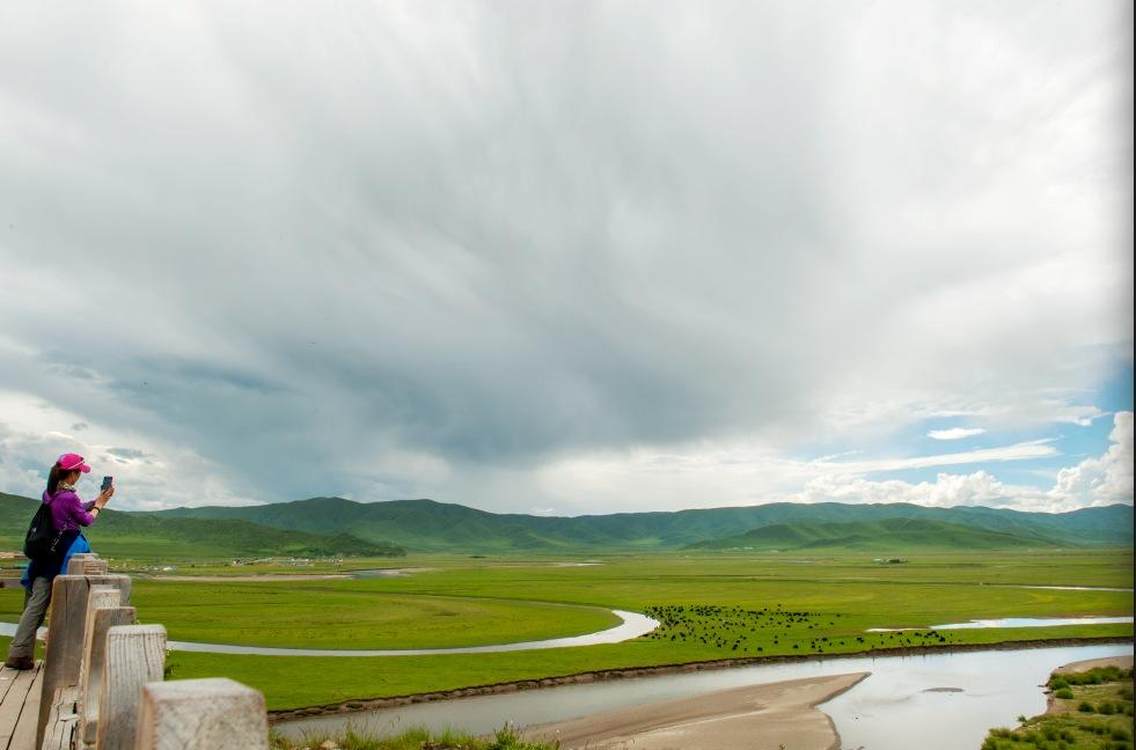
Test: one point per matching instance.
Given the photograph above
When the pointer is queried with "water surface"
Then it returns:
(891, 710)
(1013, 622)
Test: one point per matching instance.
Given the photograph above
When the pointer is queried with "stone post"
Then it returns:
(103, 612)
(210, 714)
(86, 564)
(68, 619)
(135, 655)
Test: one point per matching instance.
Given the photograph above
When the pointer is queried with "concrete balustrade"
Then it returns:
(79, 556)
(135, 655)
(103, 613)
(103, 685)
(98, 597)
(210, 714)
(86, 564)
(63, 658)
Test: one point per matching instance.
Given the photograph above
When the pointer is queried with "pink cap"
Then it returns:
(72, 462)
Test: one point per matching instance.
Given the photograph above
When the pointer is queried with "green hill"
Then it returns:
(334, 526)
(416, 524)
(889, 534)
(125, 534)
(432, 526)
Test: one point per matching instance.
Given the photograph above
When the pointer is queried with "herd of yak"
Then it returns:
(754, 630)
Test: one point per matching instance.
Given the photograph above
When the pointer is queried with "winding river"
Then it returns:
(935, 701)
(632, 625)
(1013, 622)
(902, 705)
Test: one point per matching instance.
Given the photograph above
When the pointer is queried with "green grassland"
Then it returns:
(1091, 710)
(505, 738)
(352, 615)
(834, 598)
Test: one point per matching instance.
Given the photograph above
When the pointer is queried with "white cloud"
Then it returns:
(1095, 481)
(707, 475)
(979, 488)
(1041, 411)
(956, 433)
(742, 473)
(160, 477)
(1016, 452)
(390, 252)
(1104, 480)
(1082, 416)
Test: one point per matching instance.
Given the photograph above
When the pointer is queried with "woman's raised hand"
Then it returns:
(105, 496)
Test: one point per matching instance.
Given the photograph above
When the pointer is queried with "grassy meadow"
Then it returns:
(505, 738)
(352, 615)
(713, 605)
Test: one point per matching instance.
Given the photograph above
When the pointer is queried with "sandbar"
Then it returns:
(755, 716)
(1123, 662)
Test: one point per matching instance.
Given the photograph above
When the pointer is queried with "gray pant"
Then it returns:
(35, 608)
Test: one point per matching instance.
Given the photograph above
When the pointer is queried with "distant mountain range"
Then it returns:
(324, 526)
(123, 534)
(886, 535)
(432, 526)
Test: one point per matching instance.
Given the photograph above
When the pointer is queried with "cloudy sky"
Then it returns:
(569, 257)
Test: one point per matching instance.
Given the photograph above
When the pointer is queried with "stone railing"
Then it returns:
(103, 686)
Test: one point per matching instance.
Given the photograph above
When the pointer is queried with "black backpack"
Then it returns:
(43, 541)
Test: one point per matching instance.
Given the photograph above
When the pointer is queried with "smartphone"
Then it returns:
(107, 482)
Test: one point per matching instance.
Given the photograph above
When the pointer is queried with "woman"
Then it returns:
(68, 515)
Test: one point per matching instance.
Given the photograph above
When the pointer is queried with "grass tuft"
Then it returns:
(505, 738)
(1093, 711)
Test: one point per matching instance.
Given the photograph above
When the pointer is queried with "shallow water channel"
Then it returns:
(899, 707)
(632, 625)
(1013, 622)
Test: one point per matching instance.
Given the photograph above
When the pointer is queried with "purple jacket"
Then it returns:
(68, 512)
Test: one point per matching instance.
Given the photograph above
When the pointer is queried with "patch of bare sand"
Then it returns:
(756, 716)
(1124, 662)
(1055, 706)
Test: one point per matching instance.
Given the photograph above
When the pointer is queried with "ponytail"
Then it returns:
(53, 478)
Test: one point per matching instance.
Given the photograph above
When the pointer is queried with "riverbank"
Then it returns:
(1054, 705)
(603, 675)
(1121, 662)
(1088, 705)
(779, 714)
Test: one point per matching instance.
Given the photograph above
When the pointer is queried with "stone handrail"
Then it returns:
(103, 686)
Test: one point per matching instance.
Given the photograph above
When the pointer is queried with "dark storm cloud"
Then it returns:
(358, 247)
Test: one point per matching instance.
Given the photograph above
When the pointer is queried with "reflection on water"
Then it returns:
(1031, 622)
(888, 711)
(894, 710)
(1014, 622)
(387, 572)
